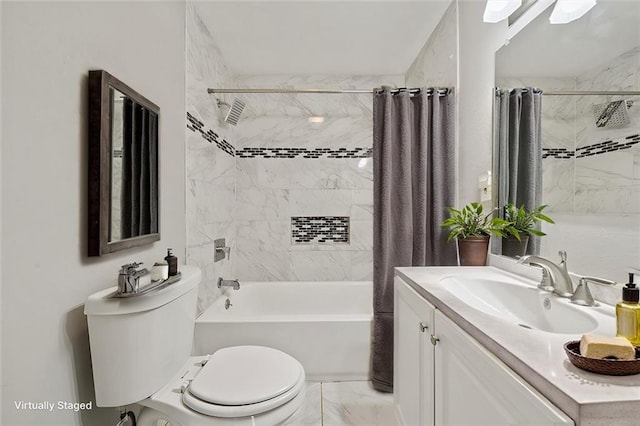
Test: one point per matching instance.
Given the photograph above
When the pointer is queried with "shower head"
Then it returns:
(235, 110)
(612, 114)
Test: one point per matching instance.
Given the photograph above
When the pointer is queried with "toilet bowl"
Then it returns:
(133, 364)
(241, 385)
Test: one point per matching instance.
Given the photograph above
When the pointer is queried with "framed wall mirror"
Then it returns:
(589, 75)
(123, 202)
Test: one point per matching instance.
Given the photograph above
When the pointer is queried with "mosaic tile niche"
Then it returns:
(320, 229)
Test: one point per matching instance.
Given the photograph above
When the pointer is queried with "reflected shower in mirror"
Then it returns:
(123, 166)
(518, 146)
(117, 142)
(589, 72)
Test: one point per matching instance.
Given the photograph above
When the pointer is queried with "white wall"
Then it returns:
(1, 332)
(477, 43)
(47, 50)
(460, 53)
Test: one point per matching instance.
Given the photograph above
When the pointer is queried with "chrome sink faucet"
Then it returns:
(554, 276)
(129, 277)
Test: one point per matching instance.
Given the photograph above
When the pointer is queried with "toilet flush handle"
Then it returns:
(185, 385)
(205, 360)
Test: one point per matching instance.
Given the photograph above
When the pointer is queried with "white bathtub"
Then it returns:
(325, 325)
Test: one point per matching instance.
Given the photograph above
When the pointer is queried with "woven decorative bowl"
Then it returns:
(611, 367)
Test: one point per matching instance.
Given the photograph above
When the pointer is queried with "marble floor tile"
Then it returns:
(356, 403)
(310, 413)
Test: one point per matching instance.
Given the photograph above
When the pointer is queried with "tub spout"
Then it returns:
(234, 284)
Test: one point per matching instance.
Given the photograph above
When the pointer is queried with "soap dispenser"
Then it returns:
(172, 261)
(628, 313)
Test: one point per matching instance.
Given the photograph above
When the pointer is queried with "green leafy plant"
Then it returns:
(471, 222)
(521, 221)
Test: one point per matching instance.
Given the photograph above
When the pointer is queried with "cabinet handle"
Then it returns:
(434, 340)
(423, 326)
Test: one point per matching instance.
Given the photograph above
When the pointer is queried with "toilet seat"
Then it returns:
(244, 381)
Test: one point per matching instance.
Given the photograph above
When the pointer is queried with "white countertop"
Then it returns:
(537, 356)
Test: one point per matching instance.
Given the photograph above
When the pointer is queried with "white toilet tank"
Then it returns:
(138, 344)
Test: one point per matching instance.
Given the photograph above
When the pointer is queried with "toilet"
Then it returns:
(141, 354)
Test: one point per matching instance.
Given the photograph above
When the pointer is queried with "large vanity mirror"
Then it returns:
(589, 160)
(123, 166)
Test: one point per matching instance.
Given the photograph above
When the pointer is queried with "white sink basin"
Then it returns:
(520, 304)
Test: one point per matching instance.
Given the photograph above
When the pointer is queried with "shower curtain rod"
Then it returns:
(592, 92)
(210, 91)
(586, 92)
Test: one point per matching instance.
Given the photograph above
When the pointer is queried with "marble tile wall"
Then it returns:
(247, 182)
(437, 63)
(272, 188)
(210, 170)
(609, 183)
(601, 245)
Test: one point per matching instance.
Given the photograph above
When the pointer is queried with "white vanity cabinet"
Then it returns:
(473, 387)
(443, 376)
(413, 357)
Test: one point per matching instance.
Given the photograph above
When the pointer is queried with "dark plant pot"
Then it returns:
(473, 251)
(512, 247)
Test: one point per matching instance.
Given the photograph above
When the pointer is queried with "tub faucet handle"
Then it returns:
(226, 250)
(222, 250)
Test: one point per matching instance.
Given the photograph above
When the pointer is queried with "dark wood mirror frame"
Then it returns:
(100, 165)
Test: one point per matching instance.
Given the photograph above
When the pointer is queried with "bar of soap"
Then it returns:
(595, 346)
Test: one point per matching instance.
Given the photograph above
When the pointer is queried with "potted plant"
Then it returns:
(521, 224)
(472, 229)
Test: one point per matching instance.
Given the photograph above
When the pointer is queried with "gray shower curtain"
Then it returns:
(139, 171)
(413, 183)
(519, 121)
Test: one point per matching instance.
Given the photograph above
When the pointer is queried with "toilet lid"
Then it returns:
(242, 375)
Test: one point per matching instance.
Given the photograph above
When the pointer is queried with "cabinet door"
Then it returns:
(413, 357)
(473, 387)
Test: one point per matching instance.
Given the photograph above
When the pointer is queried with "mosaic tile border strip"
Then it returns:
(209, 135)
(591, 150)
(304, 152)
(607, 146)
(320, 229)
(559, 153)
